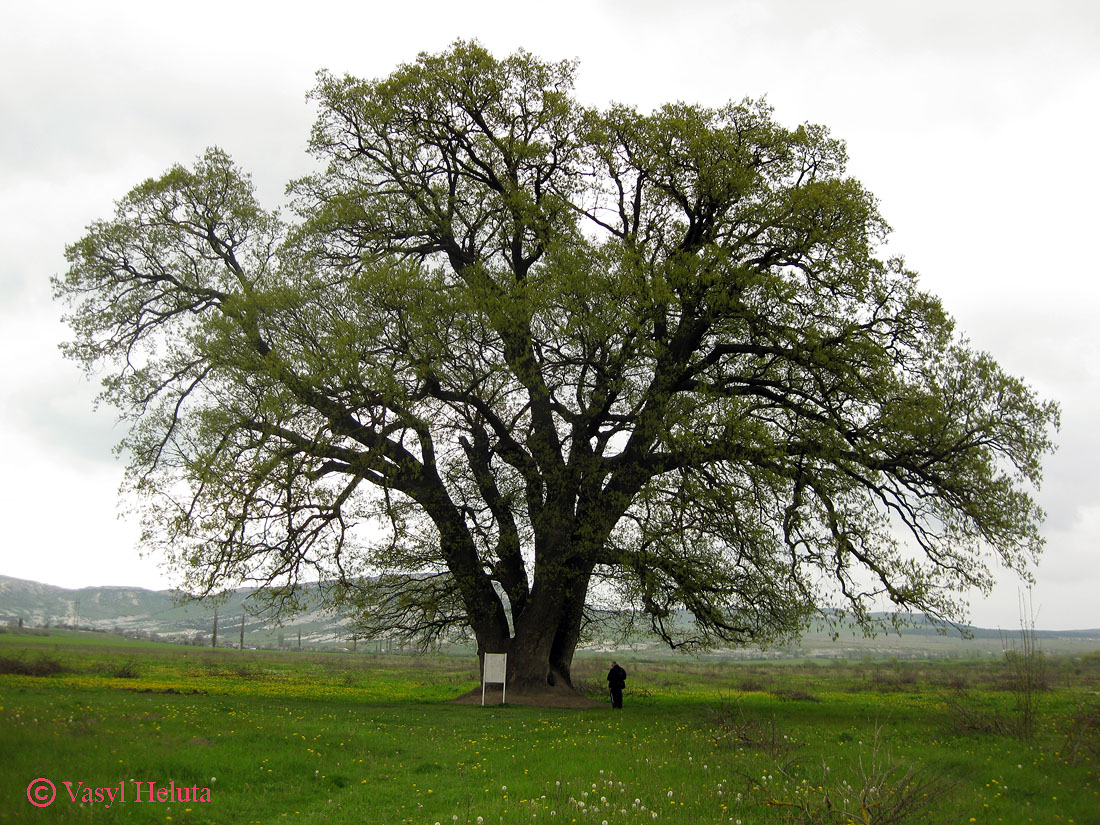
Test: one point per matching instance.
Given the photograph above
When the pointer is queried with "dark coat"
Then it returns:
(616, 678)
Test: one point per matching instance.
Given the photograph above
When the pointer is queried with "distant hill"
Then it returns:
(135, 611)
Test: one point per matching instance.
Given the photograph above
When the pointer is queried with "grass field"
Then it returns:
(265, 737)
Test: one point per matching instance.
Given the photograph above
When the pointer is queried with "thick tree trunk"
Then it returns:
(568, 632)
(540, 653)
(546, 628)
(535, 629)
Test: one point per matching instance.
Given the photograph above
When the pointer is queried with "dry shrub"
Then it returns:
(955, 681)
(45, 664)
(126, 669)
(730, 726)
(880, 790)
(1083, 735)
(968, 715)
(794, 695)
(752, 685)
(889, 681)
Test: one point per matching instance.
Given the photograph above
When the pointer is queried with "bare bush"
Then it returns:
(1083, 735)
(731, 726)
(880, 790)
(968, 715)
(1029, 674)
(45, 664)
(126, 669)
(794, 695)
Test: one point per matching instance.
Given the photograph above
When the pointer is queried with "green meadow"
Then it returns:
(273, 737)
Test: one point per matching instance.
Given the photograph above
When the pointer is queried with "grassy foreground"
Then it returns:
(339, 738)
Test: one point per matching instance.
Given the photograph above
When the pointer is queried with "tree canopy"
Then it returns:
(512, 353)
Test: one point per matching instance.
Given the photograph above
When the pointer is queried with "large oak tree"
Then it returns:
(513, 352)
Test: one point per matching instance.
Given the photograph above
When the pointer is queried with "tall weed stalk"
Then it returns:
(1030, 677)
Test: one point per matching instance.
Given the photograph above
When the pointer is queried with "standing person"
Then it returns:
(616, 681)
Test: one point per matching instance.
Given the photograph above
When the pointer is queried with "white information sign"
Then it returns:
(495, 669)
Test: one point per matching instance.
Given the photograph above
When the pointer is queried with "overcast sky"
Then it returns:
(975, 122)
